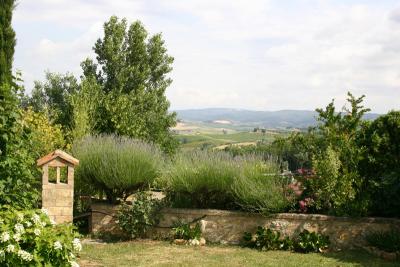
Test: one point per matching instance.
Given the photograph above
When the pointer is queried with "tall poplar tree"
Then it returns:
(132, 70)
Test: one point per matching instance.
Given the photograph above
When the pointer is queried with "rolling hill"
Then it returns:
(250, 118)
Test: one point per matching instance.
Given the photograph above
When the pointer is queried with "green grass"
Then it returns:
(157, 253)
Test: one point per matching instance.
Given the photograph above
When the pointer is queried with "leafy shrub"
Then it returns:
(29, 238)
(388, 241)
(187, 231)
(310, 242)
(137, 218)
(44, 137)
(381, 163)
(206, 179)
(267, 239)
(116, 166)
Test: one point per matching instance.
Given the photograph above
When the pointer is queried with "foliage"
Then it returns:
(16, 178)
(7, 41)
(381, 163)
(133, 79)
(116, 166)
(144, 212)
(187, 231)
(331, 190)
(85, 104)
(44, 137)
(54, 98)
(339, 131)
(267, 239)
(30, 238)
(310, 242)
(385, 240)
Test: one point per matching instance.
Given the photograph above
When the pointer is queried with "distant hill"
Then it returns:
(266, 119)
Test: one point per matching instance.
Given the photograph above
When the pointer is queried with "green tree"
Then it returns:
(16, 178)
(339, 153)
(381, 163)
(132, 71)
(85, 104)
(7, 41)
(53, 96)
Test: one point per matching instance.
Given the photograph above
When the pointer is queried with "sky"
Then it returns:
(244, 54)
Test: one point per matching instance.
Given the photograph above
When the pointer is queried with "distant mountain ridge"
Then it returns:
(267, 119)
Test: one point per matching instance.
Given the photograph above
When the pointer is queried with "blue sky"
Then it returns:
(252, 54)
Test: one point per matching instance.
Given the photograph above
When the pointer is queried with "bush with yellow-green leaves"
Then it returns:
(31, 238)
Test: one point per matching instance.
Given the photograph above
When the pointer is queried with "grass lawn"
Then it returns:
(158, 253)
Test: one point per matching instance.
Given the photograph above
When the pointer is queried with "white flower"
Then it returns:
(71, 255)
(57, 245)
(76, 243)
(10, 248)
(2, 254)
(43, 224)
(4, 237)
(74, 264)
(26, 256)
(36, 218)
(19, 228)
(36, 231)
(17, 237)
(28, 224)
(20, 217)
(44, 211)
(52, 222)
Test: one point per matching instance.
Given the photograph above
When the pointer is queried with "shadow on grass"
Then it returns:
(360, 258)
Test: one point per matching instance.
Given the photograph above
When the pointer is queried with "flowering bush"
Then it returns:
(31, 238)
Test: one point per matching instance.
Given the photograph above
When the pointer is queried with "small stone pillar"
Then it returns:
(58, 185)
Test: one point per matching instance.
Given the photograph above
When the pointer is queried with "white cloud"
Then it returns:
(259, 54)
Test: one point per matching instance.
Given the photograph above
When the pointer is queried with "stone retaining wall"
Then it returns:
(227, 227)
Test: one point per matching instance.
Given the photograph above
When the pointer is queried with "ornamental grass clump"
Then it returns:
(115, 166)
(200, 179)
(207, 179)
(30, 238)
(259, 187)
